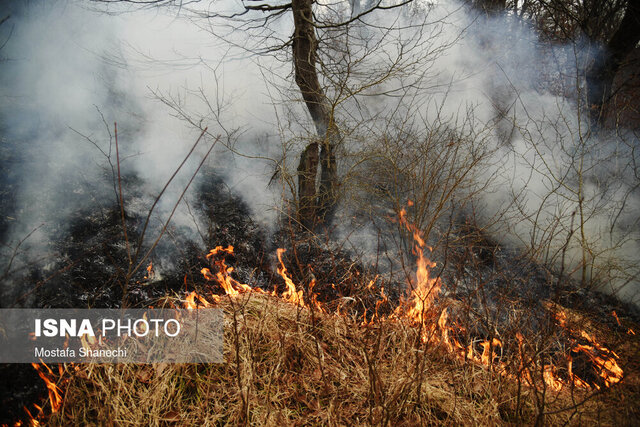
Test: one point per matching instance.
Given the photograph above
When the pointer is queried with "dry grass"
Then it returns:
(290, 366)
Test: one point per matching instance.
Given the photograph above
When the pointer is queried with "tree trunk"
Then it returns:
(307, 171)
(314, 207)
(603, 71)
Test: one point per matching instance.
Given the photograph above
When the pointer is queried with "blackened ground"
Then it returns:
(493, 290)
(340, 280)
(86, 262)
(497, 280)
(20, 387)
(228, 221)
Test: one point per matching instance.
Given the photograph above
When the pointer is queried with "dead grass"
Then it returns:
(290, 366)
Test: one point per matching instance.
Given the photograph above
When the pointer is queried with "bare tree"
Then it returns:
(616, 49)
(316, 197)
(611, 27)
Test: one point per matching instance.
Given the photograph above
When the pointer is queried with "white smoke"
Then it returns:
(72, 72)
(69, 64)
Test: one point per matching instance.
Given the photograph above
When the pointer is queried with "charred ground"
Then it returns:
(493, 290)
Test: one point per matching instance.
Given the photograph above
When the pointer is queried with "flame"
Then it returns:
(488, 350)
(314, 297)
(233, 288)
(523, 371)
(32, 420)
(422, 300)
(551, 378)
(561, 318)
(606, 367)
(55, 394)
(629, 330)
(602, 359)
(191, 304)
(150, 272)
(425, 289)
(615, 316)
(291, 295)
(382, 300)
(420, 309)
(422, 303)
(223, 275)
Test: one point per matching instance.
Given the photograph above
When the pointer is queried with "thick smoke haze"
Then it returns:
(70, 71)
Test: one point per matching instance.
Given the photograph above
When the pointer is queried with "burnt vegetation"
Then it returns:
(389, 290)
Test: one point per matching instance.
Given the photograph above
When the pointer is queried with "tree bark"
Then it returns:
(307, 171)
(314, 207)
(603, 71)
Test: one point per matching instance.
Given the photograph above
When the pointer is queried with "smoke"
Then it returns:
(567, 194)
(71, 72)
(547, 183)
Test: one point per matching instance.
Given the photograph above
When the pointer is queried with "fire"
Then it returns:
(421, 305)
(420, 308)
(150, 272)
(561, 318)
(55, 394)
(53, 389)
(488, 350)
(223, 275)
(551, 378)
(615, 316)
(425, 289)
(380, 302)
(606, 367)
(234, 288)
(602, 359)
(191, 304)
(291, 295)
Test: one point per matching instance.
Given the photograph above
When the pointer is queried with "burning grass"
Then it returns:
(290, 359)
(286, 365)
(283, 365)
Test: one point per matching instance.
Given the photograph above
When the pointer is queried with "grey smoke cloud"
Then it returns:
(66, 62)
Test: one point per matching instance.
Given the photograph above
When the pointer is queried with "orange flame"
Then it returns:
(605, 366)
(150, 272)
(223, 276)
(191, 304)
(422, 300)
(419, 308)
(233, 288)
(291, 295)
(629, 330)
(379, 303)
(615, 316)
(55, 394)
(425, 289)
